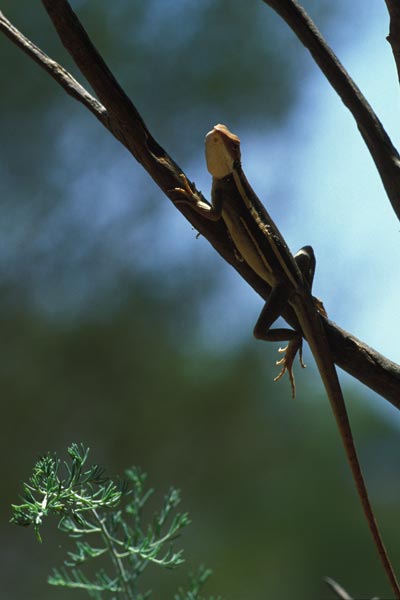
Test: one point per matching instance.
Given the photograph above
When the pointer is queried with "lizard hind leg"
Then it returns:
(262, 331)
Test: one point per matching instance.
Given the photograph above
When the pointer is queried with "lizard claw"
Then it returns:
(186, 191)
(191, 197)
(287, 360)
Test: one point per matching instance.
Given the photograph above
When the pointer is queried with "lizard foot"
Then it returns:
(186, 191)
(290, 351)
(191, 197)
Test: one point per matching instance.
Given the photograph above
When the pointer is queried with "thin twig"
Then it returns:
(385, 155)
(56, 71)
(118, 114)
(337, 589)
(393, 38)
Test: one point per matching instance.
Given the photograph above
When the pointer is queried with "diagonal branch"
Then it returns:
(353, 356)
(337, 589)
(393, 38)
(384, 154)
(56, 71)
(118, 114)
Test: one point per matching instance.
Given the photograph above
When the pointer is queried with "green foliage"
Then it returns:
(109, 514)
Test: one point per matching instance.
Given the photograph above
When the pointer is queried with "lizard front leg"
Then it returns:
(196, 201)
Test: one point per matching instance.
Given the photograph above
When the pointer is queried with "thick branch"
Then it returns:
(122, 119)
(393, 38)
(383, 152)
(125, 122)
(379, 373)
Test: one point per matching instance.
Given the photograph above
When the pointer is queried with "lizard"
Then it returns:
(260, 244)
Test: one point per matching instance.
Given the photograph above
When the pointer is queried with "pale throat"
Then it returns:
(218, 156)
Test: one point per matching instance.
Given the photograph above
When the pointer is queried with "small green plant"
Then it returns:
(104, 518)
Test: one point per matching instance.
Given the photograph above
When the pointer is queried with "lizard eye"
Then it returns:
(235, 149)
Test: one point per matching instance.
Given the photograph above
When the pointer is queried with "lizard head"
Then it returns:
(222, 151)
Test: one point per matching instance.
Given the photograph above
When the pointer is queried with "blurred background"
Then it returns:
(122, 330)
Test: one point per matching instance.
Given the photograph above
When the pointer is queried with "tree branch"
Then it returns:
(353, 356)
(118, 114)
(337, 589)
(56, 71)
(393, 38)
(384, 154)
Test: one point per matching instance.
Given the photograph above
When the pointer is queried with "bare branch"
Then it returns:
(393, 38)
(56, 71)
(353, 356)
(385, 155)
(125, 122)
(337, 589)
(122, 119)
